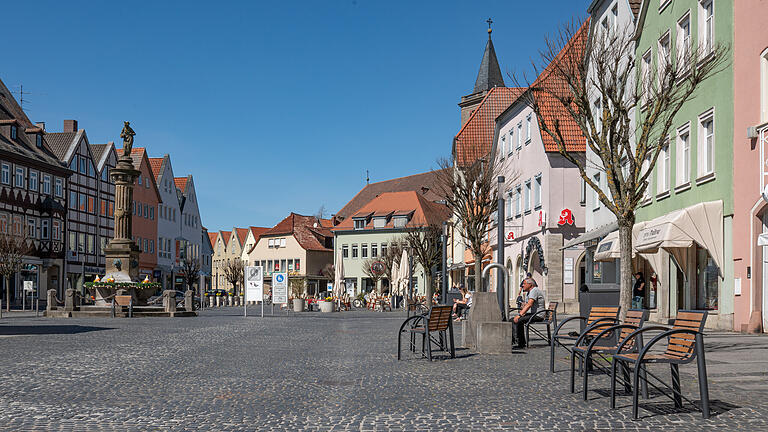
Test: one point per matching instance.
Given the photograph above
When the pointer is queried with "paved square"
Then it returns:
(309, 371)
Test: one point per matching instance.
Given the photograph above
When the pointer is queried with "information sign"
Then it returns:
(254, 284)
(279, 288)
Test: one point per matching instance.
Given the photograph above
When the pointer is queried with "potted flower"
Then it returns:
(326, 305)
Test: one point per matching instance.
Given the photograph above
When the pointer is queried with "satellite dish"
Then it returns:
(315, 225)
(765, 193)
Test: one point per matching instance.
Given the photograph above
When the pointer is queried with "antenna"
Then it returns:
(20, 93)
(367, 177)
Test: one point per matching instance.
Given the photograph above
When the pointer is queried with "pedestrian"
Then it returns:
(460, 305)
(533, 302)
(638, 292)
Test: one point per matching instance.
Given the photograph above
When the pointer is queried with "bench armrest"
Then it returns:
(665, 335)
(638, 333)
(562, 323)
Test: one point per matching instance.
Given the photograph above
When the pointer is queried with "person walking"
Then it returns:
(638, 291)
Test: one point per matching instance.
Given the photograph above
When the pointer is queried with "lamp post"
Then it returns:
(500, 248)
(444, 276)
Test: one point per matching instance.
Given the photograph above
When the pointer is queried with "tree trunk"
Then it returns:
(7, 293)
(428, 286)
(625, 250)
(478, 273)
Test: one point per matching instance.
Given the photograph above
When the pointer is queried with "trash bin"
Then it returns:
(596, 295)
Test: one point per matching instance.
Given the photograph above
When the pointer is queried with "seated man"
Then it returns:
(533, 301)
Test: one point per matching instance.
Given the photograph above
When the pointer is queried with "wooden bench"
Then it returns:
(685, 343)
(584, 350)
(123, 301)
(597, 315)
(547, 317)
(432, 327)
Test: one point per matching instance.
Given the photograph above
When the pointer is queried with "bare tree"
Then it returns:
(298, 286)
(424, 244)
(321, 212)
(233, 273)
(594, 83)
(329, 271)
(468, 183)
(392, 256)
(375, 269)
(12, 251)
(190, 271)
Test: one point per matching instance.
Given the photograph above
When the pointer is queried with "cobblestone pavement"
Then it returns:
(309, 371)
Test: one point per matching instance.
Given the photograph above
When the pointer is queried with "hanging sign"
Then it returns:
(566, 217)
(542, 218)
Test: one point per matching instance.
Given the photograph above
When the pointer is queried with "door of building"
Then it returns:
(765, 274)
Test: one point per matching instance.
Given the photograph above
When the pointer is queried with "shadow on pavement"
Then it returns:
(14, 330)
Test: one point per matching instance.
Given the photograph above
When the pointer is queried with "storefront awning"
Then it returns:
(675, 232)
(592, 235)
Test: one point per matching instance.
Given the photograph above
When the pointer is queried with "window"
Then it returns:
(707, 275)
(359, 223)
(91, 171)
(537, 192)
(614, 16)
(595, 194)
(146, 211)
(17, 225)
(527, 198)
(104, 175)
(39, 140)
(706, 145)
(31, 228)
(59, 189)
(511, 135)
(4, 223)
(45, 229)
(644, 169)
(152, 213)
(528, 129)
(72, 241)
(583, 199)
(519, 135)
(81, 242)
(282, 242)
(684, 39)
(83, 165)
(503, 146)
(663, 170)
(47, 184)
(19, 182)
(56, 230)
(6, 174)
(374, 250)
(344, 251)
(707, 26)
(354, 251)
(139, 180)
(364, 250)
(91, 205)
(14, 132)
(383, 249)
(73, 200)
(92, 243)
(664, 60)
(73, 164)
(379, 222)
(146, 185)
(604, 24)
(146, 246)
(297, 264)
(83, 202)
(290, 265)
(683, 155)
(271, 243)
(152, 246)
(510, 204)
(646, 76)
(400, 221)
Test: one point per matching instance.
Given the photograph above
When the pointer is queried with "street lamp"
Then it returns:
(500, 248)
(444, 279)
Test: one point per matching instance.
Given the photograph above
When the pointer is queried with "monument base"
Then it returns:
(485, 308)
(495, 337)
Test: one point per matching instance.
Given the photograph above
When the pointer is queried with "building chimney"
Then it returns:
(41, 125)
(70, 125)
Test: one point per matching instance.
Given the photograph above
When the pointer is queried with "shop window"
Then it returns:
(707, 276)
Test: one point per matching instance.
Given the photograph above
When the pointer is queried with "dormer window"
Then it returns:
(14, 132)
(39, 140)
(400, 221)
(379, 222)
(360, 224)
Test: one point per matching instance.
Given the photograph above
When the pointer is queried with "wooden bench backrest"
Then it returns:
(598, 312)
(635, 317)
(681, 345)
(123, 300)
(551, 310)
(439, 318)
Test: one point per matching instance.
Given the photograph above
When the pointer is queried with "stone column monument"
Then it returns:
(122, 253)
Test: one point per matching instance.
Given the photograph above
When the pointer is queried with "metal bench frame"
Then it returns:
(433, 328)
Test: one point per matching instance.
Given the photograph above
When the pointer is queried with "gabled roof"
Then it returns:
(307, 230)
(98, 150)
(242, 233)
(475, 138)
(424, 212)
(258, 231)
(225, 235)
(489, 75)
(212, 236)
(634, 6)
(156, 164)
(551, 109)
(181, 183)
(138, 154)
(427, 184)
(101, 152)
(59, 142)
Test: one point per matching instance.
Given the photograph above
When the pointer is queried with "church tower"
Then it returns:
(488, 77)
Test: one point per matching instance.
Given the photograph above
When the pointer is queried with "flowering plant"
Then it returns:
(329, 299)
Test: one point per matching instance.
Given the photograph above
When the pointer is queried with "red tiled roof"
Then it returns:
(303, 229)
(181, 183)
(550, 83)
(225, 236)
(425, 183)
(424, 212)
(258, 231)
(475, 138)
(212, 237)
(242, 233)
(156, 164)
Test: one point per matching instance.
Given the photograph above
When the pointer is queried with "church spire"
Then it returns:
(489, 75)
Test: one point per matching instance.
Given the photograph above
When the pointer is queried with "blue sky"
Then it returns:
(272, 106)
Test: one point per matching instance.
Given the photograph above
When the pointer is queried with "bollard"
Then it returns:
(169, 300)
(69, 300)
(51, 300)
(189, 304)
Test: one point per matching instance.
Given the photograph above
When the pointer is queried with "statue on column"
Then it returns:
(127, 135)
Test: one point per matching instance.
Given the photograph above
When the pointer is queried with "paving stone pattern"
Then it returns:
(309, 371)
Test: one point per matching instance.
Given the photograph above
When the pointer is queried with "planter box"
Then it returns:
(325, 306)
(298, 305)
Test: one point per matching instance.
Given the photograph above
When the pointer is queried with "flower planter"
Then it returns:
(298, 305)
(325, 306)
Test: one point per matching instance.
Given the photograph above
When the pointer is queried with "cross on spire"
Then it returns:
(489, 21)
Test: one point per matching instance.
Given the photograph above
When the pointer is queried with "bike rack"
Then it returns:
(503, 305)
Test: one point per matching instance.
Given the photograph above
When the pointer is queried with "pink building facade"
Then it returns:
(750, 220)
